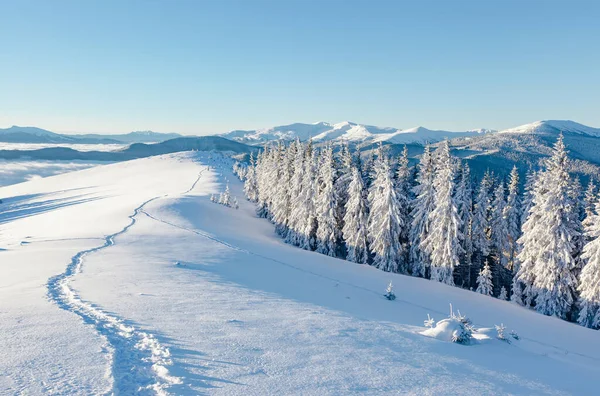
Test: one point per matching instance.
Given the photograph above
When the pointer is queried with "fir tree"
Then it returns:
(503, 294)
(384, 219)
(464, 199)
(422, 206)
(403, 187)
(250, 187)
(481, 226)
(589, 205)
(484, 281)
(548, 256)
(328, 229)
(442, 244)
(512, 215)
(589, 287)
(356, 221)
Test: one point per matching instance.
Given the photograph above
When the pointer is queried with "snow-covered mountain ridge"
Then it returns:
(355, 133)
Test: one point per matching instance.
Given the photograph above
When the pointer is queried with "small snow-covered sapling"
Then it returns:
(389, 292)
(429, 322)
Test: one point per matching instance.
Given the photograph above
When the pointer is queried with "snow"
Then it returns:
(178, 295)
(346, 132)
(555, 126)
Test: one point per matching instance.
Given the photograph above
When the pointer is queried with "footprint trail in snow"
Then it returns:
(139, 363)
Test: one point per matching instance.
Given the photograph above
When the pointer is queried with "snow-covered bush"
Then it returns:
(500, 329)
(456, 328)
(389, 292)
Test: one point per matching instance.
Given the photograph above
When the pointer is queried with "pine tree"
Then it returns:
(328, 229)
(384, 218)
(549, 257)
(443, 241)
(481, 222)
(484, 281)
(304, 203)
(250, 187)
(282, 202)
(530, 180)
(512, 214)
(589, 287)
(589, 205)
(295, 221)
(356, 221)
(503, 294)
(464, 199)
(422, 206)
(499, 226)
(403, 187)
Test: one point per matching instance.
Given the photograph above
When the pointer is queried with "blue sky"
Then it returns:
(201, 67)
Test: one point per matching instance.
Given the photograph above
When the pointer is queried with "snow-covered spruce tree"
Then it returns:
(344, 166)
(549, 252)
(403, 187)
(503, 294)
(384, 218)
(282, 202)
(512, 214)
(328, 229)
(530, 180)
(307, 215)
(576, 195)
(250, 187)
(484, 281)
(295, 221)
(589, 286)
(225, 197)
(464, 199)
(481, 223)
(262, 169)
(499, 238)
(422, 206)
(442, 243)
(589, 205)
(356, 220)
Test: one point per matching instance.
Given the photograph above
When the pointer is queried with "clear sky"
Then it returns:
(202, 67)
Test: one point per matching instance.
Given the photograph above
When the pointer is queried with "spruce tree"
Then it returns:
(384, 218)
(464, 199)
(403, 187)
(356, 220)
(250, 187)
(422, 206)
(442, 244)
(484, 280)
(549, 256)
(512, 214)
(589, 286)
(328, 230)
(481, 222)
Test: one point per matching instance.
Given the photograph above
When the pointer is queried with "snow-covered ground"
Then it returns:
(125, 278)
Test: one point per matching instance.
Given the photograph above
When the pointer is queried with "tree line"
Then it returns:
(539, 247)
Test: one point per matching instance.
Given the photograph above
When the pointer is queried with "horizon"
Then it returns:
(292, 123)
(199, 68)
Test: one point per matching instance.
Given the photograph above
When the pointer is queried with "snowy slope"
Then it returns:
(179, 295)
(554, 127)
(345, 131)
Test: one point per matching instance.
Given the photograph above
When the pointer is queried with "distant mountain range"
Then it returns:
(17, 134)
(346, 132)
